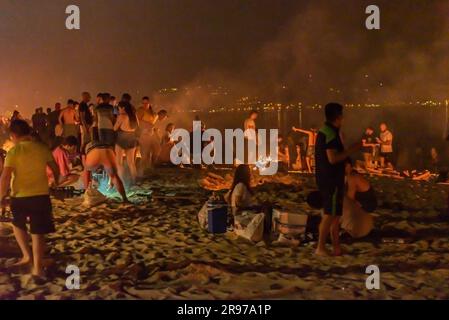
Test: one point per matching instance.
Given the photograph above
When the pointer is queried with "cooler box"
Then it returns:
(289, 223)
(217, 213)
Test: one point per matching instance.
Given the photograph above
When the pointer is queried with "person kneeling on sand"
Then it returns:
(25, 173)
(61, 155)
(100, 155)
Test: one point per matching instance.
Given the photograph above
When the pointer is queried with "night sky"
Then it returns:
(126, 45)
(141, 46)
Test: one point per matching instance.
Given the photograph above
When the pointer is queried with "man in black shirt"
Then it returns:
(369, 143)
(330, 155)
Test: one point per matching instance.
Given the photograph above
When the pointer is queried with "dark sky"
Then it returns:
(126, 45)
(296, 50)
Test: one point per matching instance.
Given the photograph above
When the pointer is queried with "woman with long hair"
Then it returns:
(241, 193)
(126, 144)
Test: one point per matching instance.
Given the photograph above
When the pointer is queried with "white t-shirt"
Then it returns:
(242, 193)
(384, 137)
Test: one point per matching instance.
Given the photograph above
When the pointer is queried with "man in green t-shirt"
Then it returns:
(25, 176)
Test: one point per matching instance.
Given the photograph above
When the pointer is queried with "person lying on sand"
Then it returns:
(99, 155)
(30, 199)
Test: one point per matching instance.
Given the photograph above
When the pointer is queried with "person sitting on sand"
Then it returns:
(25, 173)
(283, 155)
(359, 202)
(359, 189)
(240, 196)
(310, 153)
(61, 154)
(100, 155)
(298, 163)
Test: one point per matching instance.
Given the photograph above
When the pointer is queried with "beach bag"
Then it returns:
(249, 225)
(93, 197)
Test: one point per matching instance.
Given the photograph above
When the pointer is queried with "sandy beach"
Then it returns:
(155, 249)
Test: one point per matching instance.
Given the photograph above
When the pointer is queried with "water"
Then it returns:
(416, 128)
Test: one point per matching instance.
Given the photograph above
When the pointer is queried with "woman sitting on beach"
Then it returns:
(126, 143)
(240, 196)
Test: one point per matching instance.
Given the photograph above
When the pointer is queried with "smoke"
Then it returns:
(326, 53)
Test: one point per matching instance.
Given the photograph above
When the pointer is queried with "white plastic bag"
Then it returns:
(93, 197)
(203, 216)
(250, 226)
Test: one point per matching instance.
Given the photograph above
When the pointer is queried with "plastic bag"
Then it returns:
(93, 197)
(250, 226)
(203, 216)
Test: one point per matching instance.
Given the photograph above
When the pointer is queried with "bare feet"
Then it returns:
(38, 272)
(22, 263)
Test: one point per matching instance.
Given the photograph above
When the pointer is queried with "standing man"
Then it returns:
(386, 145)
(368, 147)
(250, 130)
(86, 119)
(330, 156)
(104, 121)
(39, 120)
(53, 120)
(68, 119)
(147, 119)
(30, 200)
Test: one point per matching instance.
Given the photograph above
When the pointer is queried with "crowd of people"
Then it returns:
(45, 152)
(83, 131)
(110, 133)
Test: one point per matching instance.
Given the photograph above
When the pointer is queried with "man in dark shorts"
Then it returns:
(369, 143)
(330, 156)
(30, 200)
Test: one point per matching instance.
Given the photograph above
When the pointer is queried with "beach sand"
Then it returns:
(155, 249)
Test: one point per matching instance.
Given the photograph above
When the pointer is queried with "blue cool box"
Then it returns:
(217, 217)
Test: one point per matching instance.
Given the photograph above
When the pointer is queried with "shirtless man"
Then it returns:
(386, 146)
(147, 119)
(360, 200)
(68, 119)
(310, 154)
(250, 136)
